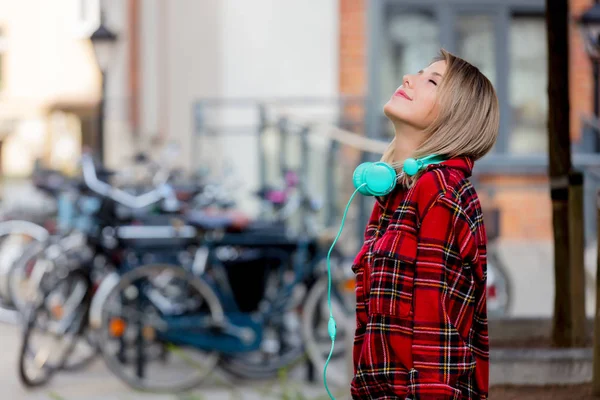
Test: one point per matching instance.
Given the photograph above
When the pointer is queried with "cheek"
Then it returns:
(429, 109)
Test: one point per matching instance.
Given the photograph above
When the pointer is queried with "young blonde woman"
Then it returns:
(421, 274)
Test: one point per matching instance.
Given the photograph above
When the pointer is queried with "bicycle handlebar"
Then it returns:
(161, 192)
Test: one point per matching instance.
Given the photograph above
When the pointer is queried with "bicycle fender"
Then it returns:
(104, 289)
(36, 231)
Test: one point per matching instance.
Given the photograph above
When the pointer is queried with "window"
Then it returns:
(528, 81)
(475, 42)
(507, 42)
(412, 41)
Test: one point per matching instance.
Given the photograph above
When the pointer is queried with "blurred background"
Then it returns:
(261, 110)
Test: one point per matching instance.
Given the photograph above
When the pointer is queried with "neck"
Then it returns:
(407, 141)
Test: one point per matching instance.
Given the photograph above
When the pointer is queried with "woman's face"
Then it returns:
(415, 102)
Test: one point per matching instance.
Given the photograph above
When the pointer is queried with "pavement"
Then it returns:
(96, 382)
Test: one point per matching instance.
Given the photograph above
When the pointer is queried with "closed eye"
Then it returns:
(432, 81)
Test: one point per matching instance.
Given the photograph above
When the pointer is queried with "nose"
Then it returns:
(407, 81)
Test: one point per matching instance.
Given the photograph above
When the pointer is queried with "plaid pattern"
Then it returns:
(421, 309)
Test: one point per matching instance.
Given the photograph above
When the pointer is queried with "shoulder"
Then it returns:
(450, 187)
(440, 184)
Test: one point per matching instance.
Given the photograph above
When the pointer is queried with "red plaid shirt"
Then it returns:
(421, 292)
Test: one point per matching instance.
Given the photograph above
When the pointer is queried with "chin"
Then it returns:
(391, 113)
(388, 110)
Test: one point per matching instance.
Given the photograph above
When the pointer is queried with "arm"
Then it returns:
(357, 267)
(443, 304)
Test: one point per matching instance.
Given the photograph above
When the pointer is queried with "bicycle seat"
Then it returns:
(216, 221)
(265, 228)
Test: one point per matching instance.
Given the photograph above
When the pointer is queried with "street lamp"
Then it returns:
(103, 42)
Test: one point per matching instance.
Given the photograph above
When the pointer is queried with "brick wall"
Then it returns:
(524, 201)
(353, 64)
(580, 75)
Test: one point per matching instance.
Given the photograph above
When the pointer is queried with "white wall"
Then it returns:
(274, 49)
(179, 62)
(118, 140)
(45, 60)
(232, 49)
(150, 53)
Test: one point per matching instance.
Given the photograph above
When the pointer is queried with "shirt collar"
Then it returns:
(464, 164)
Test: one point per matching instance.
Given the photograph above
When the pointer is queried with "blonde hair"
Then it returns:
(468, 119)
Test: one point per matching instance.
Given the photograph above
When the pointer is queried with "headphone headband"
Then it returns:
(412, 166)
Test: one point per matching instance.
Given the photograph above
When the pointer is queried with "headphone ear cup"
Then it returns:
(380, 178)
(358, 178)
(412, 166)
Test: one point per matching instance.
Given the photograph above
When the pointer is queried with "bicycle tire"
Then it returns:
(505, 284)
(17, 227)
(31, 251)
(315, 352)
(32, 318)
(114, 365)
(21, 306)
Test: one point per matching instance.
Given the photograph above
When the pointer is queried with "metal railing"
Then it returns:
(306, 132)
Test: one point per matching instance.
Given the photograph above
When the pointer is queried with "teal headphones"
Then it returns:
(379, 178)
(370, 179)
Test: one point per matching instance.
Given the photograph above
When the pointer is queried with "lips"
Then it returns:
(402, 93)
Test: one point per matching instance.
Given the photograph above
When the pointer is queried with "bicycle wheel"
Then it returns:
(23, 281)
(60, 313)
(278, 350)
(134, 335)
(281, 344)
(315, 318)
(499, 290)
(14, 237)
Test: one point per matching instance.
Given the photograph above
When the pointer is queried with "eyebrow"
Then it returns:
(433, 73)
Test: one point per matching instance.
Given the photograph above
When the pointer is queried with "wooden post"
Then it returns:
(576, 251)
(559, 149)
(596, 359)
(562, 323)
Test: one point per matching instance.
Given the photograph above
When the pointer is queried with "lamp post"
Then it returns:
(103, 41)
(589, 22)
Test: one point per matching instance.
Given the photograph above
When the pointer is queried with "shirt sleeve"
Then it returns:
(360, 298)
(373, 223)
(443, 305)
